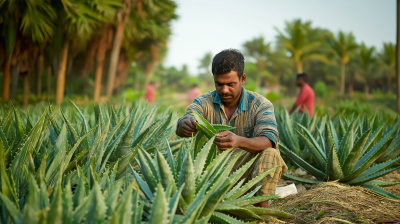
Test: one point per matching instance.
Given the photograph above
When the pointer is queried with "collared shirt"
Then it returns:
(305, 99)
(254, 116)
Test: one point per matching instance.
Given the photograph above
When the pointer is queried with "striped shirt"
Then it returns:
(254, 116)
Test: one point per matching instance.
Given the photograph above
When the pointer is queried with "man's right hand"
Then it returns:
(187, 127)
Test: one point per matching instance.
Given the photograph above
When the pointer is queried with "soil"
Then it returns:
(392, 177)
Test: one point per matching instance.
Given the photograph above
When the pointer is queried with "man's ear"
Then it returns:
(243, 79)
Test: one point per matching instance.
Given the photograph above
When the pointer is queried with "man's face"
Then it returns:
(299, 82)
(228, 86)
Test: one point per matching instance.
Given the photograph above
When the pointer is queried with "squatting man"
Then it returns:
(250, 113)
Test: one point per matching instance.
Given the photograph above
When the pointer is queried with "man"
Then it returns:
(305, 99)
(193, 93)
(251, 114)
(150, 94)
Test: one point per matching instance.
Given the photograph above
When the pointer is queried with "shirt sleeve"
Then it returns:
(195, 106)
(301, 99)
(265, 124)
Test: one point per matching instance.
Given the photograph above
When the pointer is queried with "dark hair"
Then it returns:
(303, 76)
(194, 85)
(228, 60)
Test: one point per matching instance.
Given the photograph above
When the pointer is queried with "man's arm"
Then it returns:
(300, 100)
(227, 140)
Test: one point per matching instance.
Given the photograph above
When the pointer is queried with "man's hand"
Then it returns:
(187, 127)
(227, 140)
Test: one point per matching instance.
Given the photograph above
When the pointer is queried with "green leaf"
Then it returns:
(301, 163)
(242, 213)
(200, 160)
(200, 120)
(269, 212)
(221, 127)
(300, 179)
(241, 202)
(317, 153)
(380, 191)
(187, 176)
(56, 209)
(334, 170)
(355, 153)
(218, 217)
(346, 143)
(159, 210)
(18, 125)
(167, 178)
(124, 207)
(381, 183)
(67, 204)
(143, 185)
(97, 207)
(6, 187)
(146, 171)
(11, 209)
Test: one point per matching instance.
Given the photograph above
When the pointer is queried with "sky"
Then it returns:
(213, 25)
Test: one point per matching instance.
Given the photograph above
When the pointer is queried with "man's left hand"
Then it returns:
(227, 140)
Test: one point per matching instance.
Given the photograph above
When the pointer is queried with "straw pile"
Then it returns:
(336, 203)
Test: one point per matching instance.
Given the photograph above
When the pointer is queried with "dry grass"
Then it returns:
(336, 203)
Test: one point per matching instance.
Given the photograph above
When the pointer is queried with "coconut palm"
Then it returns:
(258, 50)
(204, 67)
(388, 57)
(367, 59)
(303, 42)
(343, 45)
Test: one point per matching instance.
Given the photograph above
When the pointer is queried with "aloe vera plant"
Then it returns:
(351, 156)
(209, 192)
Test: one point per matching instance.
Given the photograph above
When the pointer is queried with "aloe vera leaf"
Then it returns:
(18, 125)
(6, 186)
(371, 139)
(252, 193)
(136, 209)
(166, 175)
(381, 183)
(195, 207)
(241, 202)
(200, 119)
(346, 143)
(239, 212)
(355, 153)
(317, 156)
(67, 204)
(218, 180)
(143, 185)
(302, 180)
(269, 212)
(6, 122)
(28, 126)
(3, 138)
(311, 140)
(112, 196)
(159, 210)
(218, 217)
(234, 189)
(334, 170)
(173, 204)
(367, 160)
(200, 139)
(380, 191)
(187, 176)
(368, 178)
(333, 133)
(201, 158)
(235, 177)
(203, 129)
(54, 215)
(11, 208)
(214, 198)
(210, 170)
(301, 163)
(124, 207)
(146, 171)
(250, 184)
(221, 127)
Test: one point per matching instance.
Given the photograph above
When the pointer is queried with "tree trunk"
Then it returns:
(137, 79)
(14, 80)
(342, 78)
(49, 71)
(62, 65)
(112, 69)
(25, 89)
(148, 74)
(6, 79)
(299, 66)
(39, 71)
(101, 53)
(398, 55)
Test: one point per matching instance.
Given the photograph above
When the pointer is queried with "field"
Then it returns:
(122, 163)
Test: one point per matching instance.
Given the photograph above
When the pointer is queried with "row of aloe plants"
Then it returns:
(354, 150)
(108, 166)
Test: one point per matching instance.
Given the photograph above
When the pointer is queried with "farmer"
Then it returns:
(193, 93)
(251, 114)
(305, 99)
(150, 94)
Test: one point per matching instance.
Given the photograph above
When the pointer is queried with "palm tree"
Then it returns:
(279, 65)
(205, 70)
(343, 45)
(388, 57)
(303, 42)
(367, 60)
(258, 50)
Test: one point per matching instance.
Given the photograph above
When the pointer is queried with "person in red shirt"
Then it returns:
(150, 94)
(305, 99)
(193, 93)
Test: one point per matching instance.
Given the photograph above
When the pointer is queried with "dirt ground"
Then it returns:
(337, 203)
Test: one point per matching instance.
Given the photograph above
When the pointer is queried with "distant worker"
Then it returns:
(150, 94)
(193, 93)
(305, 99)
